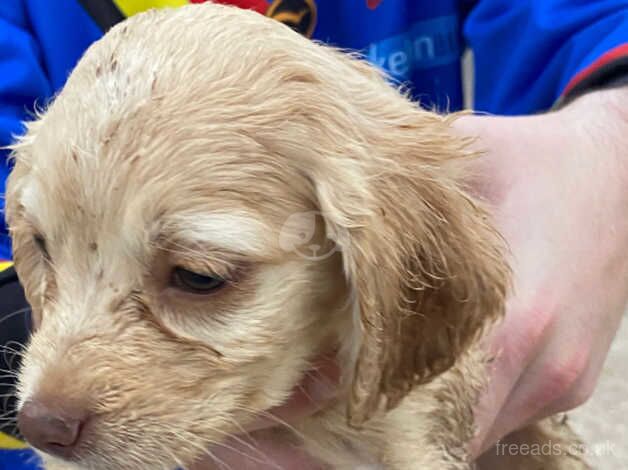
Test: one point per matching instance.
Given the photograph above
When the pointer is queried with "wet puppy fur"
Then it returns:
(190, 138)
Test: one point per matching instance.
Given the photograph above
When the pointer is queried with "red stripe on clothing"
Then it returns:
(607, 58)
(257, 5)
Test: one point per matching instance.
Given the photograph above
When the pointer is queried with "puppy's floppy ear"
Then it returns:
(426, 268)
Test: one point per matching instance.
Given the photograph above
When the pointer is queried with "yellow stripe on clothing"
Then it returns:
(5, 265)
(131, 7)
(8, 442)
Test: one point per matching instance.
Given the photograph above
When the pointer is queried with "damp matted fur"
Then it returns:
(188, 138)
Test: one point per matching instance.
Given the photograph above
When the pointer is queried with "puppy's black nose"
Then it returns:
(51, 429)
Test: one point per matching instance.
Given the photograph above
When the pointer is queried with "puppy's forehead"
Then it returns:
(212, 207)
(178, 69)
(162, 118)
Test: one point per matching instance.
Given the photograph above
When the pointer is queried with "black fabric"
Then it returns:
(611, 75)
(618, 81)
(104, 12)
(14, 332)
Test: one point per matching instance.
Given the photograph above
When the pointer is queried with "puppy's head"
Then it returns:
(210, 203)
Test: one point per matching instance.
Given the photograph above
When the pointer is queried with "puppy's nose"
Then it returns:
(50, 428)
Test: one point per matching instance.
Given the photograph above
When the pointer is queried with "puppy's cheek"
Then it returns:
(205, 320)
(236, 335)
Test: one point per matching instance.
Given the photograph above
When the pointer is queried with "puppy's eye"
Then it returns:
(196, 283)
(40, 242)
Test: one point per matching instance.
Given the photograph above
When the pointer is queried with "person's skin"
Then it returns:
(558, 186)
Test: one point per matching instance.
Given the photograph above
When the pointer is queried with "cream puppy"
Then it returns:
(212, 202)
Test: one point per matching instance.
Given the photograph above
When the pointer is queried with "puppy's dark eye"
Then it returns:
(40, 242)
(196, 283)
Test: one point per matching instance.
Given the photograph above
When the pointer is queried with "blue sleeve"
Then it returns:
(530, 52)
(23, 80)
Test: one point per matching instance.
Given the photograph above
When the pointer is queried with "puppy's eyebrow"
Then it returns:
(237, 232)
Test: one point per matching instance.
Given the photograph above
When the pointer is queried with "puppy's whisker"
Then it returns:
(14, 314)
(7, 347)
(271, 417)
(177, 461)
(248, 445)
(8, 374)
(12, 359)
(14, 353)
(7, 415)
(204, 450)
(16, 343)
(241, 430)
(5, 403)
(314, 376)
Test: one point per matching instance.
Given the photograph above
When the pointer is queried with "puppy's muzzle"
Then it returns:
(51, 427)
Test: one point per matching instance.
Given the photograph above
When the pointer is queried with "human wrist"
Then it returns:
(597, 124)
(608, 109)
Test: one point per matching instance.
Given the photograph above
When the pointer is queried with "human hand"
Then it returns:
(558, 185)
